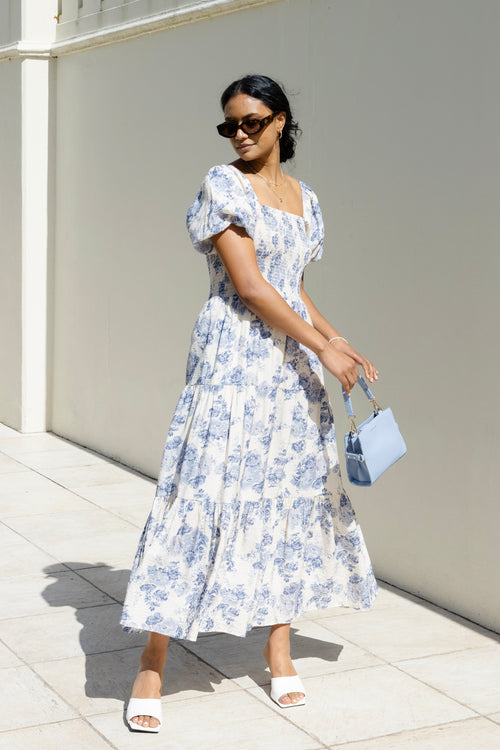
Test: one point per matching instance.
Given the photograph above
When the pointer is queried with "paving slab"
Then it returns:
(30, 494)
(86, 476)
(75, 734)
(315, 650)
(110, 580)
(364, 703)
(471, 676)
(9, 431)
(101, 683)
(227, 721)
(63, 634)
(28, 701)
(20, 557)
(8, 659)
(404, 675)
(17, 443)
(80, 538)
(35, 594)
(400, 633)
(472, 734)
(128, 492)
(60, 458)
(10, 465)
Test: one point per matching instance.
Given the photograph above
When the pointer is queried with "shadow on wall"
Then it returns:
(112, 656)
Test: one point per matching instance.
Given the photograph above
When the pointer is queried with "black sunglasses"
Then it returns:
(250, 127)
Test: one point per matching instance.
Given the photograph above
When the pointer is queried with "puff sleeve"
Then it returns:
(315, 227)
(221, 201)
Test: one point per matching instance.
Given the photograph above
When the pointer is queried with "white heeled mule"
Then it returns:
(143, 707)
(282, 685)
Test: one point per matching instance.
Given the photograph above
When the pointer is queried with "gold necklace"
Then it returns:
(276, 184)
(269, 182)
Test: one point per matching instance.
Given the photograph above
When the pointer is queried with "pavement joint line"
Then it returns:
(83, 654)
(402, 732)
(126, 469)
(94, 505)
(438, 653)
(445, 653)
(394, 665)
(439, 608)
(25, 539)
(91, 583)
(59, 611)
(413, 598)
(130, 470)
(78, 716)
(247, 690)
(79, 447)
(438, 690)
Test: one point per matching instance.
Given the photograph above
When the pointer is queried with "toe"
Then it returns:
(146, 721)
(285, 699)
(295, 697)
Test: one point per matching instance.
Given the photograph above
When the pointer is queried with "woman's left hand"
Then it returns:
(371, 373)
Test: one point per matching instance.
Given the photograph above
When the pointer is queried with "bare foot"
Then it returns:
(147, 685)
(280, 665)
(149, 677)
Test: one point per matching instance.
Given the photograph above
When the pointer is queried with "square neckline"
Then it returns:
(273, 208)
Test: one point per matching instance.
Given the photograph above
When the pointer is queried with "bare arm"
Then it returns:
(237, 252)
(328, 331)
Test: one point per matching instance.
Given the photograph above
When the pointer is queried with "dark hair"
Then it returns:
(274, 97)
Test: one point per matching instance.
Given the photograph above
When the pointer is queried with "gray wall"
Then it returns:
(10, 21)
(10, 245)
(399, 105)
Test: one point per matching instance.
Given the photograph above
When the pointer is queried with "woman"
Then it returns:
(250, 524)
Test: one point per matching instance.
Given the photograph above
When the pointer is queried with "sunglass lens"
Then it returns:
(251, 126)
(227, 129)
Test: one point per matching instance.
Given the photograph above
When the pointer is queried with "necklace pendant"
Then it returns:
(281, 200)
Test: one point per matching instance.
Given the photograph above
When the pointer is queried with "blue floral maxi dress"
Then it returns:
(250, 524)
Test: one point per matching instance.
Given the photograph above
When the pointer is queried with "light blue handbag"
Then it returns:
(373, 446)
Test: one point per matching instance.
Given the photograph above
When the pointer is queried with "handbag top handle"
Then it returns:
(348, 404)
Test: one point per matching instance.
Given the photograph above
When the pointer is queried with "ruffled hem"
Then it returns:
(222, 627)
(229, 567)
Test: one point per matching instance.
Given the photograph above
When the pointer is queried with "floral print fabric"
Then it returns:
(250, 524)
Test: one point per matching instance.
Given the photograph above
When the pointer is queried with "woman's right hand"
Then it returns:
(343, 367)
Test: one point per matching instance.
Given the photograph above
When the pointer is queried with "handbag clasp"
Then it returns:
(376, 407)
(354, 429)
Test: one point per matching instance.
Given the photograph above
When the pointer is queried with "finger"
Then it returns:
(368, 370)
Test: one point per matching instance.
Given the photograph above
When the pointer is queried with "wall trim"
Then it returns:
(167, 19)
(25, 49)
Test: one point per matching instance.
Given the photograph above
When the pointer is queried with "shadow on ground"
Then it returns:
(112, 656)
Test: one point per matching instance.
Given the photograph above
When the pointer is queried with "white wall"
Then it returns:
(26, 30)
(399, 106)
